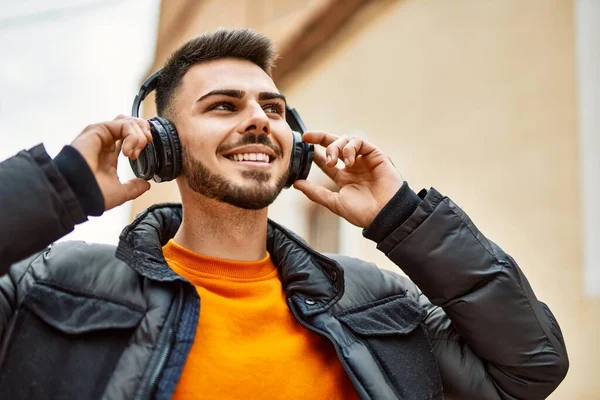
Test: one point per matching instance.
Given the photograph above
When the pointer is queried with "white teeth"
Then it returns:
(262, 157)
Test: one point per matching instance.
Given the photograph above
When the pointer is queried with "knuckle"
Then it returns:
(90, 127)
(138, 128)
(130, 127)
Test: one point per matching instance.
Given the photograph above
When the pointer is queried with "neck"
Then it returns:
(216, 229)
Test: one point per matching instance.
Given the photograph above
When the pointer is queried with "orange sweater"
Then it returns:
(248, 345)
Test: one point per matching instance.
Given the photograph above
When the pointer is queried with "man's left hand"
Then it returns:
(366, 183)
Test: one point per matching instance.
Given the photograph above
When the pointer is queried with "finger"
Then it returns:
(135, 187)
(145, 126)
(321, 162)
(114, 154)
(135, 139)
(319, 137)
(334, 150)
(318, 194)
(143, 123)
(142, 127)
(115, 146)
(356, 146)
(122, 129)
(131, 133)
(132, 189)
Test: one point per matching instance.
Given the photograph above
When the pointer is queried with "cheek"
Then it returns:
(285, 141)
(287, 146)
(199, 138)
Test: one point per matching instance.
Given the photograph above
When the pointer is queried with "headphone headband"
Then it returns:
(148, 86)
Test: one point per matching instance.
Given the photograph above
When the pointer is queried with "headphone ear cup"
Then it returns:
(146, 164)
(308, 155)
(301, 159)
(177, 153)
(167, 149)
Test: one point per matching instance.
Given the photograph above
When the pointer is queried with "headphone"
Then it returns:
(161, 159)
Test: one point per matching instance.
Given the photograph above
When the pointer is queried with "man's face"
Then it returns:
(236, 143)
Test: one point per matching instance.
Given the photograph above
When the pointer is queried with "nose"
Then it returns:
(258, 121)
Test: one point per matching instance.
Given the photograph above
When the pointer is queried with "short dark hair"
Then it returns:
(244, 44)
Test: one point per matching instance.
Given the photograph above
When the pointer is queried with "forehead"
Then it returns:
(227, 73)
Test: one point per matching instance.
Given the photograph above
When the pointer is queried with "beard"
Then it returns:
(214, 186)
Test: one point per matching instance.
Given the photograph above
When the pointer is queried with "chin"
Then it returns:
(255, 197)
(251, 190)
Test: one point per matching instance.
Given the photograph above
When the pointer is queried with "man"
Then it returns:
(218, 302)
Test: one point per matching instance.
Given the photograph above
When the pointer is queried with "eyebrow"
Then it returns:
(271, 96)
(239, 94)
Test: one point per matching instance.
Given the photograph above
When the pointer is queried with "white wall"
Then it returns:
(587, 25)
(66, 64)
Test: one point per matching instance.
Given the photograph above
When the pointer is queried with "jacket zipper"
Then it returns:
(355, 382)
(361, 392)
(166, 350)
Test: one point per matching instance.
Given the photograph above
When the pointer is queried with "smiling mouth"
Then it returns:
(254, 158)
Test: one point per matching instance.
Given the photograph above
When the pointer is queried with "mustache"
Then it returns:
(251, 138)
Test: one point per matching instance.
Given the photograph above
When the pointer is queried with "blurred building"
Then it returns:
(478, 99)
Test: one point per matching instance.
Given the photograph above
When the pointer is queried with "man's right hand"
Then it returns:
(100, 144)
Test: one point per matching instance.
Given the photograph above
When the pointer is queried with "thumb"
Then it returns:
(318, 194)
(134, 188)
(129, 190)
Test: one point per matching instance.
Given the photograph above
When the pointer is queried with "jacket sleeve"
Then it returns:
(41, 200)
(37, 206)
(492, 338)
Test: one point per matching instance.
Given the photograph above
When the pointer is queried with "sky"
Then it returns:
(67, 64)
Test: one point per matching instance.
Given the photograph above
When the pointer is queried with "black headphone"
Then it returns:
(161, 159)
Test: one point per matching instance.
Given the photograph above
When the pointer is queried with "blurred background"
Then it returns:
(496, 104)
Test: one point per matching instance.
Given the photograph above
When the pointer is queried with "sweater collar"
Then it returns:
(195, 267)
(312, 281)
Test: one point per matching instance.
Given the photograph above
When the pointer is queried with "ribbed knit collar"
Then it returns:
(197, 265)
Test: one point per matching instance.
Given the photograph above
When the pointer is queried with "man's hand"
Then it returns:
(100, 144)
(367, 181)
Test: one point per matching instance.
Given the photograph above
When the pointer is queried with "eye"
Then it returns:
(222, 106)
(274, 108)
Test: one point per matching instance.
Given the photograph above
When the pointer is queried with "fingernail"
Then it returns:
(328, 159)
(346, 161)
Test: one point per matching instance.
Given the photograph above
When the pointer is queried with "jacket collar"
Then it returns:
(312, 281)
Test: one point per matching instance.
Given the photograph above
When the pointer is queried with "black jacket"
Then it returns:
(76, 321)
